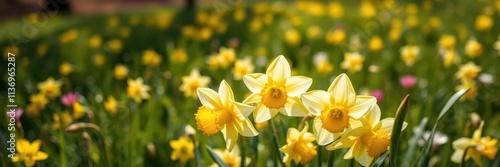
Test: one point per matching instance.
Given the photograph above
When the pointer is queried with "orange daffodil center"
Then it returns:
(335, 109)
(276, 91)
(221, 113)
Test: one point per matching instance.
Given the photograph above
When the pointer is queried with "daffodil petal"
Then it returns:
(40, 156)
(245, 109)
(343, 142)
(364, 159)
(323, 136)
(35, 146)
(255, 82)
(350, 153)
(296, 85)
(208, 97)
(373, 116)
(294, 108)
(279, 69)
(253, 98)
(462, 143)
(316, 100)
(362, 105)
(22, 146)
(457, 156)
(247, 129)
(385, 126)
(262, 113)
(231, 136)
(341, 89)
(225, 93)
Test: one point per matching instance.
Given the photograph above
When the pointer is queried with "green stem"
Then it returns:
(331, 158)
(62, 144)
(276, 142)
(82, 126)
(196, 151)
(320, 155)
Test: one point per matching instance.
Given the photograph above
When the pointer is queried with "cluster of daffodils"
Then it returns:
(342, 119)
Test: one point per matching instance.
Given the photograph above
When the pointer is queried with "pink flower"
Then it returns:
(69, 98)
(15, 113)
(378, 93)
(408, 81)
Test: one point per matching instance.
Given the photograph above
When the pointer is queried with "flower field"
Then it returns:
(266, 83)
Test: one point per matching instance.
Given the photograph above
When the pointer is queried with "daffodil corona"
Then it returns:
(220, 112)
(276, 91)
(299, 147)
(336, 109)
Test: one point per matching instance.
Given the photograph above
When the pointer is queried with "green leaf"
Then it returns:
(413, 142)
(396, 130)
(380, 160)
(453, 99)
(215, 157)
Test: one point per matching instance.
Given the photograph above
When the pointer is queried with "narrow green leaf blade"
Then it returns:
(453, 99)
(380, 160)
(215, 157)
(396, 130)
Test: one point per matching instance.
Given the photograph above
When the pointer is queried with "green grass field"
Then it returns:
(153, 87)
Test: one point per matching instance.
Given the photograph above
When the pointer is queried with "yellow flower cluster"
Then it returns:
(340, 115)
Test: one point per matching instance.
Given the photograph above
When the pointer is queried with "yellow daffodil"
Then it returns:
(336, 36)
(242, 67)
(336, 10)
(255, 24)
(484, 23)
(314, 32)
(188, 31)
(367, 10)
(204, 34)
(434, 22)
(353, 62)
(369, 138)
(183, 149)
(276, 91)
(41, 50)
(475, 147)
(95, 42)
(468, 71)
(120, 72)
(164, 20)
(292, 37)
(65, 68)
(220, 112)
(395, 34)
(68, 36)
(336, 109)
(449, 58)
(151, 59)
(178, 56)
(226, 56)
(63, 119)
(29, 152)
(137, 90)
(473, 48)
(231, 158)
(50, 87)
(239, 14)
(409, 54)
(192, 82)
(412, 20)
(468, 84)
(115, 45)
(324, 67)
(99, 60)
(447, 41)
(78, 110)
(37, 103)
(376, 44)
(111, 105)
(299, 146)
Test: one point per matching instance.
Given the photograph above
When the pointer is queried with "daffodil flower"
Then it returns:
(474, 147)
(369, 137)
(192, 82)
(182, 149)
(336, 109)
(276, 91)
(29, 152)
(137, 90)
(231, 158)
(299, 147)
(221, 112)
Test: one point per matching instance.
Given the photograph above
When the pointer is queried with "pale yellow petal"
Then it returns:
(245, 109)
(231, 136)
(297, 85)
(462, 143)
(323, 137)
(255, 82)
(279, 69)
(209, 98)
(373, 116)
(316, 100)
(247, 129)
(294, 108)
(385, 126)
(40, 156)
(364, 159)
(343, 142)
(341, 89)
(226, 93)
(253, 98)
(262, 113)
(22, 146)
(457, 156)
(362, 105)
